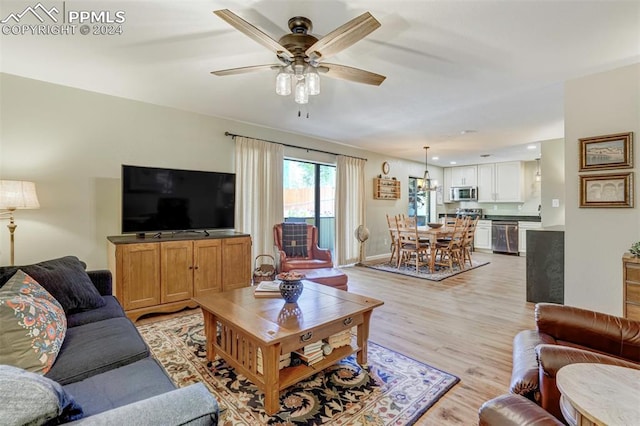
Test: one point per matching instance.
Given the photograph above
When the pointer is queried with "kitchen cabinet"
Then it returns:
(459, 176)
(631, 283)
(482, 237)
(464, 176)
(501, 182)
(522, 234)
(163, 276)
(386, 189)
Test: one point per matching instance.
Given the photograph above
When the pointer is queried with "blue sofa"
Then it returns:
(106, 366)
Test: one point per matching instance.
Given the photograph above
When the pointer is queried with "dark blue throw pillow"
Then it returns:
(65, 278)
(28, 398)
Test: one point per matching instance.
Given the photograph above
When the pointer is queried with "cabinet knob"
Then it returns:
(196, 267)
(190, 267)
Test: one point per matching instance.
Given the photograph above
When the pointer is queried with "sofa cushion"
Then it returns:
(29, 398)
(125, 385)
(97, 347)
(33, 325)
(111, 309)
(66, 279)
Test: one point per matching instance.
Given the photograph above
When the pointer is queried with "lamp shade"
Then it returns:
(18, 194)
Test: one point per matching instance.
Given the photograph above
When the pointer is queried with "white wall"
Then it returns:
(596, 239)
(553, 182)
(72, 143)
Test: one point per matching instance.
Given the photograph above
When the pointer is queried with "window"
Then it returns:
(419, 202)
(309, 196)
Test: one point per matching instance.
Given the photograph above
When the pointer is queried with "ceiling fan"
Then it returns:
(301, 55)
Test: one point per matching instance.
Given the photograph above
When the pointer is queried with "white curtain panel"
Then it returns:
(259, 203)
(350, 207)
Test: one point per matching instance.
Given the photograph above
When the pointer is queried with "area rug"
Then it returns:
(439, 274)
(392, 390)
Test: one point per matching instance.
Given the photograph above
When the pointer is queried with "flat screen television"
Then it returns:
(159, 199)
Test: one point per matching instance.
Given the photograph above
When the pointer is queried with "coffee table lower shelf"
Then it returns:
(291, 375)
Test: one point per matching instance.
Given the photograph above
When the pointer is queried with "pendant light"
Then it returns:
(538, 174)
(426, 180)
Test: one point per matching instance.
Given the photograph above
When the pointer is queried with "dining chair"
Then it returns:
(410, 247)
(393, 233)
(467, 243)
(448, 253)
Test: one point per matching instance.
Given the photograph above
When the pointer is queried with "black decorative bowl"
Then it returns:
(291, 290)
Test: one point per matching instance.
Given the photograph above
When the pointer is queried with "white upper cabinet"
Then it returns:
(464, 176)
(501, 182)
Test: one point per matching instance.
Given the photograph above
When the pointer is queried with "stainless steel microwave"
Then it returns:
(463, 193)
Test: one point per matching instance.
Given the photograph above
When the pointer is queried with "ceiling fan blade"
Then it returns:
(343, 37)
(344, 72)
(244, 70)
(253, 32)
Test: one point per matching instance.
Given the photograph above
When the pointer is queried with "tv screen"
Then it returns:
(158, 199)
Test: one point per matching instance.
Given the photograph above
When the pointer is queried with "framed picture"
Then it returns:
(606, 152)
(610, 190)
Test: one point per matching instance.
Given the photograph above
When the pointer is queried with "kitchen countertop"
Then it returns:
(500, 217)
(514, 217)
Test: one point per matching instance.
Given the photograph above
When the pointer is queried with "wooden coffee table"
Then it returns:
(237, 324)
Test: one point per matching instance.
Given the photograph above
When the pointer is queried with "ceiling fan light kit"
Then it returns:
(300, 54)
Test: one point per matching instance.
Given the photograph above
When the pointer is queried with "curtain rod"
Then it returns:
(233, 135)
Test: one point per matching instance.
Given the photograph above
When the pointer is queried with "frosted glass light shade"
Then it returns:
(313, 81)
(302, 94)
(18, 194)
(283, 82)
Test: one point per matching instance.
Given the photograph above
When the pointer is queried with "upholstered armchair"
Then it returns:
(568, 335)
(300, 251)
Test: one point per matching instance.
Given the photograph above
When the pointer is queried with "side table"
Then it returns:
(600, 394)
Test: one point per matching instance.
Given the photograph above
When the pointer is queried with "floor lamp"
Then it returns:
(14, 195)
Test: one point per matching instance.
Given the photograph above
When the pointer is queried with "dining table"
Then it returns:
(432, 235)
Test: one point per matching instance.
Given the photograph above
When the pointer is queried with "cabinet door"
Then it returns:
(509, 182)
(447, 184)
(176, 278)
(207, 257)
(522, 234)
(236, 263)
(482, 236)
(138, 275)
(486, 189)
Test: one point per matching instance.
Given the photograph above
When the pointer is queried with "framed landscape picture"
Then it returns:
(606, 152)
(610, 190)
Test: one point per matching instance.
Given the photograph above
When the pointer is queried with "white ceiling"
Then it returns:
(494, 67)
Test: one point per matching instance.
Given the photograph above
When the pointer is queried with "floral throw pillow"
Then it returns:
(33, 325)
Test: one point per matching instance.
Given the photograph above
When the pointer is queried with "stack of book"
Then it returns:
(339, 339)
(285, 361)
(311, 353)
(267, 289)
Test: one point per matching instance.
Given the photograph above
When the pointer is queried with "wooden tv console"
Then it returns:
(161, 275)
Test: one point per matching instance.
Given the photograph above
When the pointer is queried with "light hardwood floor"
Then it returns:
(463, 325)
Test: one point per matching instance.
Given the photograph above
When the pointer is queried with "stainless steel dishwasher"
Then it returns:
(504, 236)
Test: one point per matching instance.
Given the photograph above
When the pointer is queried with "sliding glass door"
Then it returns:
(419, 202)
(309, 196)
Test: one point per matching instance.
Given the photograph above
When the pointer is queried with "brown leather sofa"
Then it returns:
(564, 335)
(316, 257)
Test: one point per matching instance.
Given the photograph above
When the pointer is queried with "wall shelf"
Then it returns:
(386, 189)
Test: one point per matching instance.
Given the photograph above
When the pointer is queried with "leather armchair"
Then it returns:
(567, 335)
(316, 257)
(514, 410)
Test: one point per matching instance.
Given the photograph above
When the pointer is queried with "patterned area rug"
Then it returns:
(439, 274)
(393, 390)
